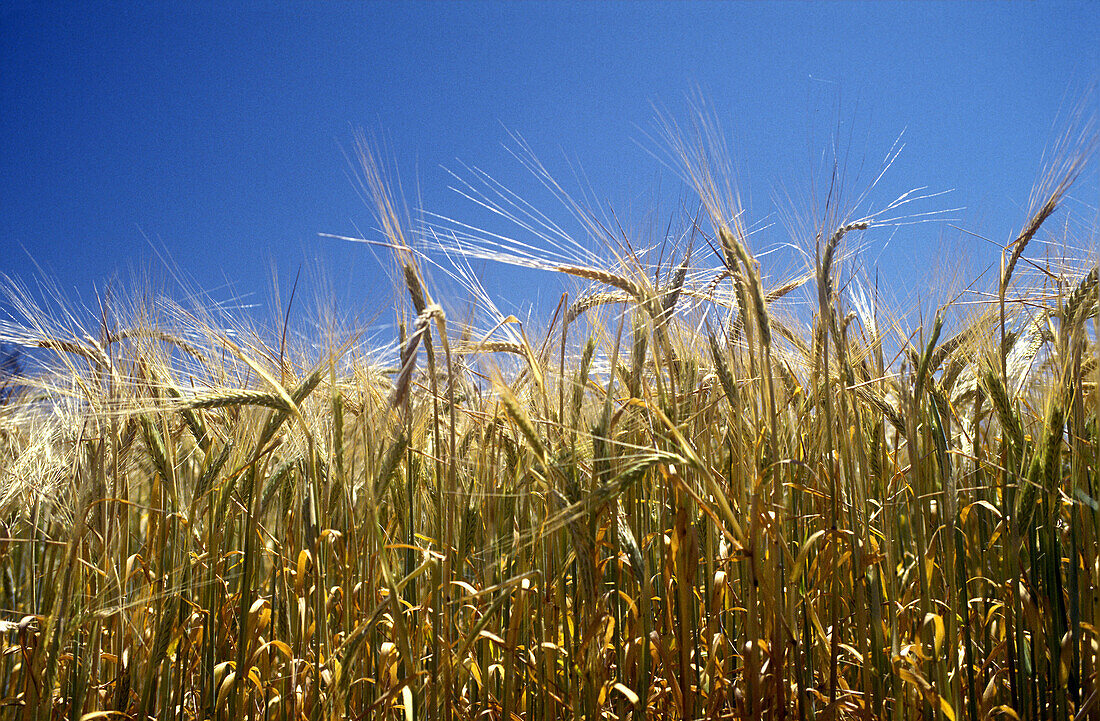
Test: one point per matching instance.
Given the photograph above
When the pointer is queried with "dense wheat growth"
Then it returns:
(686, 496)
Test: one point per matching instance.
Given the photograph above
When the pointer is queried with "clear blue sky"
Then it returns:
(216, 130)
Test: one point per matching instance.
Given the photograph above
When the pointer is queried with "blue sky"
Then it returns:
(215, 133)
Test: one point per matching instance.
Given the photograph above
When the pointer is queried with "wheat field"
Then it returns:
(702, 489)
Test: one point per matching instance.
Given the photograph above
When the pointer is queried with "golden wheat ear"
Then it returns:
(745, 509)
